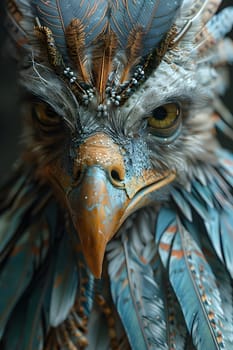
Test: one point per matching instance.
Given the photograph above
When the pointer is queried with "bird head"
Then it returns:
(118, 114)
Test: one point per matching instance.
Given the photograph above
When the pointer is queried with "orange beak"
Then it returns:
(103, 198)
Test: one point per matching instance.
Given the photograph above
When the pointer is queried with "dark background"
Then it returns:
(9, 104)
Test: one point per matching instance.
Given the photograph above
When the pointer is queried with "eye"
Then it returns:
(165, 120)
(45, 115)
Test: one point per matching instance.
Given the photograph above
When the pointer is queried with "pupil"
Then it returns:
(160, 113)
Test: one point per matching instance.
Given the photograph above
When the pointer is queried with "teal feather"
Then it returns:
(204, 193)
(17, 272)
(27, 328)
(164, 220)
(182, 204)
(96, 16)
(165, 239)
(198, 206)
(19, 209)
(194, 284)
(175, 324)
(122, 298)
(136, 293)
(65, 281)
(154, 17)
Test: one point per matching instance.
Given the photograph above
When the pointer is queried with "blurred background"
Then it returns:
(9, 104)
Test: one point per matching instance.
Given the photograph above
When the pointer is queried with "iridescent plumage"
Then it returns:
(116, 228)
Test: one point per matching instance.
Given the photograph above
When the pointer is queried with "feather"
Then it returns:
(17, 271)
(199, 206)
(215, 30)
(75, 39)
(64, 285)
(204, 193)
(195, 287)
(136, 292)
(165, 236)
(25, 330)
(12, 22)
(102, 57)
(182, 204)
(58, 15)
(130, 307)
(133, 51)
(222, 278)
(176, 328)
(154, 17)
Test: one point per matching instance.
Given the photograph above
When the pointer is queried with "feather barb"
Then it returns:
(133, 50)
(75, 39)
(103, 55)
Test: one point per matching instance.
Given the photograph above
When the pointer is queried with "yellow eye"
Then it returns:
(46, 115)
(164, 119)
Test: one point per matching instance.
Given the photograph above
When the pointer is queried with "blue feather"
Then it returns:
(18, 210)
(65, 281)
(165, 218)
(136, 292)
(57, 15)
(154, 17)
(17, 271)
(165, 238)
(204, 192)
(122, 17)
(194, 284)
(182, 204)
(199, 206)
(26, 329)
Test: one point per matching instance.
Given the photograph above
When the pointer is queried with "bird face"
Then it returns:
(122, 112)
(105, 167)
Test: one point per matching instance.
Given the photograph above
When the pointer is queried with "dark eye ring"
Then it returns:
(164, 120)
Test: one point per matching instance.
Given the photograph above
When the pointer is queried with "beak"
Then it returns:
(103, 198)
(97, 208)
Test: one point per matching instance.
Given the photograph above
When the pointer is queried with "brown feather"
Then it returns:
(45, 35)
(75, 39)
(102, 59)
(133, 50)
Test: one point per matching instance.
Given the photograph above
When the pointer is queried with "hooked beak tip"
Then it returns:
(94, 251)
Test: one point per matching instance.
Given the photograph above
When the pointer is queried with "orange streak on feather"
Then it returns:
(179, 254)
(172, 229)
(75, 38)
(133, 50)
(102, 58)
(164, 246)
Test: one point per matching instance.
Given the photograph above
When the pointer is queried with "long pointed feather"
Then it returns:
(136, 292)
(75, 38)
(200, 301)
(63, 290)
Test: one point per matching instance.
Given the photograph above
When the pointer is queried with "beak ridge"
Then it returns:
(96, 207)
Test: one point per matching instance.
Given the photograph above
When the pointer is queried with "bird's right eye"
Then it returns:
(45, 115)
(164, 121)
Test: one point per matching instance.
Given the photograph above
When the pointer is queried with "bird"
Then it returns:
(116, 225)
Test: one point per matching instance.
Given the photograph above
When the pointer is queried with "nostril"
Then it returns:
(115, 175)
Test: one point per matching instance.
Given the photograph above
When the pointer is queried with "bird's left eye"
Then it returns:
(45, 115)
(164, 120)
